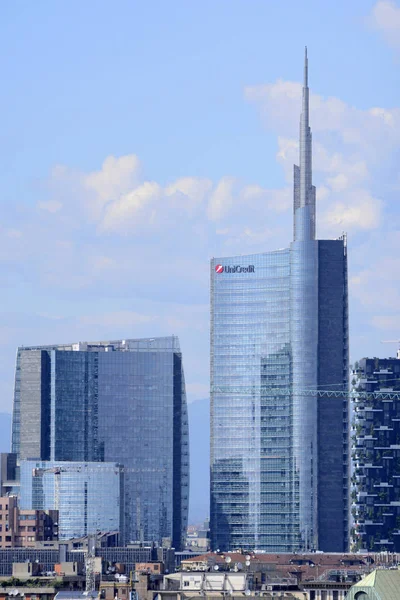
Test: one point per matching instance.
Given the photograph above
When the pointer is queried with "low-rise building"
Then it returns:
(198, 537)
(114, 590)
(123, 558)
(383, 584)
(21, 592)
(24, 528)
(152, 568)
(215, 585)
(320, 576)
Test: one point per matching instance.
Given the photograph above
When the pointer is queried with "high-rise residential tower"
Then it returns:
(110, 402)
(279, 333)
(376, 455)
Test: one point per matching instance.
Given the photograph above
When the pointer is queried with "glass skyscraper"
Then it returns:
(122, 402)
(279, 333)
(88, 495)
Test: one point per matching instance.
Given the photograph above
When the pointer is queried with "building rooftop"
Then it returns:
(128, 345)
(382, 584)
(75, 595)
(303, 567)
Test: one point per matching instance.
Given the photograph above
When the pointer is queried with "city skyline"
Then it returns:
(194, 121)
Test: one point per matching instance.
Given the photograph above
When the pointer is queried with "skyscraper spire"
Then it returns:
(305, 84)
(304, 191)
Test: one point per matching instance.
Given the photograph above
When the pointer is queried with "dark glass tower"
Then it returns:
(119, 402)
(376, 455)
(279, 333)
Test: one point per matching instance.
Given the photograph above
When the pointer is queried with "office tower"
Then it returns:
(122, 402)
(376, 455)
(279, 333)
(89, 496)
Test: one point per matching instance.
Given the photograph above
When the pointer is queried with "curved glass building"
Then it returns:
(279, 335)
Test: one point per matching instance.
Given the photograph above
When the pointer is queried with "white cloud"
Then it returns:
(339, 182)
(221, 199)
(365, 130)
(346, 163)
(51, 206)
(323, 192)
(375, 287)
(279, 200)
(132, 209)
(178, 225)
(188, 193)
(288, 155)
(343, 163)
(385, 18)
(344, 159)
(359, 211)
(386, 115)
(117, 177)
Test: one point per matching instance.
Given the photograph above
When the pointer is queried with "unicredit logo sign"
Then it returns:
(234, 269)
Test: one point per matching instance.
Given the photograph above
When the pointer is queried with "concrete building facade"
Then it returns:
(24, 528)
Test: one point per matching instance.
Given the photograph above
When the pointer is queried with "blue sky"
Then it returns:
(140, 138)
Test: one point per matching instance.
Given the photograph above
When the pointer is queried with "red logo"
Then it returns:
(219, 269)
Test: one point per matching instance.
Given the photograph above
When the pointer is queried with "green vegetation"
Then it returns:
(31, 583)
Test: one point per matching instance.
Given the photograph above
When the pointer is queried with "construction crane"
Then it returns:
(393, 342)
(92, 536)
(261, 390)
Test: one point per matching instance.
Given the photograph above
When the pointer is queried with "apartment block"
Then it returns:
(23, 528)
(376, 455)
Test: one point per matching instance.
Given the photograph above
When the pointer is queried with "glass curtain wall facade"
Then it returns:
(88, 496)
(279, 448)
(120, 401)
(376, 455)
(253, 505)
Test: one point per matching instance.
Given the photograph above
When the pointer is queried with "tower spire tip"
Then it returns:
(305, 68)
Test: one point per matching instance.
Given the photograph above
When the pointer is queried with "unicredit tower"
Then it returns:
(279, 343)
